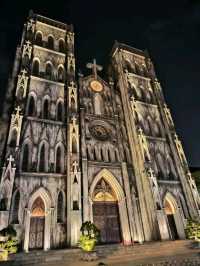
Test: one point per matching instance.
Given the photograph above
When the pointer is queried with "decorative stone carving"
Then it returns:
(70, 38)
(134, 108)
(74, 136)
(155, 189)
(27, 50)
(168, 116)
(144, 145)
(7, 180)
(16, 122)
(73, 96)
(22, 85)
(180, 149)
(71, 63)
(194, 190)
(31, 25)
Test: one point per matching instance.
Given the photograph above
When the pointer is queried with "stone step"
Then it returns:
(111, 252)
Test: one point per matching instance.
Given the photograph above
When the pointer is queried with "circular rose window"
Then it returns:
(100, 132)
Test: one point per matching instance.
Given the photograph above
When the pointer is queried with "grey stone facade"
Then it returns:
(72, 144)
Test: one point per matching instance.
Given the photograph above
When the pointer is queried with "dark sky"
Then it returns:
(170, 30)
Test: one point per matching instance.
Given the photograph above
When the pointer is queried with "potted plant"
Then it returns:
(8, 242)
(193, 232)
(89, 236)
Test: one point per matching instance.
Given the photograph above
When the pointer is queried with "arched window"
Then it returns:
(15, 208)
(31, 106)
(58, 160)
(50, 43)
(36, 68)
(13, 139)
(61, 46)
(48, 71)
(38, 38)
(60, 208)
(60, 74)
(59, 113)
(46, 109)
(42, 162)
(25, 158)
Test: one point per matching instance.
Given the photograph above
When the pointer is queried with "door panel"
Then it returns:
(36, 238)
(106, 218)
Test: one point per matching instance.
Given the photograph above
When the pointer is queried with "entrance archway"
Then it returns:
(115, 196)
(37, 224)
(106, 213)
(174, 218)
(40, 204)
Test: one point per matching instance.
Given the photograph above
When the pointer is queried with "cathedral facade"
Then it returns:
(86, 149)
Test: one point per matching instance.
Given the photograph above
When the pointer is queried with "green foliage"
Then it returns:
(8, 231)
(90, 235)
(10, 246)
(193, 229)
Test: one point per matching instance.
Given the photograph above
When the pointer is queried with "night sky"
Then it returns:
(169, 30)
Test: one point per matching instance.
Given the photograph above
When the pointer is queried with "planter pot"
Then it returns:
(3, 238)
(88, 245)
(3, 255)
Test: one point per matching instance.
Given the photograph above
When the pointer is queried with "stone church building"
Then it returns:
(81, 148)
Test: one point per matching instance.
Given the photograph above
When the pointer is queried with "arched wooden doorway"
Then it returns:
(37, 225)
(106, 213)
(170, 212)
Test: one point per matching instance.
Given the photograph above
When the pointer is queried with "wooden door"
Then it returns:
(36, 238)
(106, 218)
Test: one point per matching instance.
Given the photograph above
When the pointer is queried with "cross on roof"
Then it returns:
(75, 165)
(24, 72)
(18, 109)
(151, 172)
(72, 84)
(10, 159)
(94, 67)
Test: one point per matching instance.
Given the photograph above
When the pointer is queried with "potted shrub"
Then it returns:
(193, 231)
(89, 236)
(8, 242)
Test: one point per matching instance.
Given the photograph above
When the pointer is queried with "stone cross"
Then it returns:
(94, 67)
(75, 165)
(18, 109)
(10, 159)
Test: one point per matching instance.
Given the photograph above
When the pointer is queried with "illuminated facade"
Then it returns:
(89, 149)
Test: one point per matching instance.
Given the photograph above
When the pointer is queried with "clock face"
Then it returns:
(96, 86)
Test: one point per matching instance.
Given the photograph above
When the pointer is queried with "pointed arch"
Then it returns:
(59, 159)
(59, 111)
(60, 73)
(61, 46)
(50, 42)
(43, 157)
(31, 108)
(111, 180)
(38, 38)
(44, 195)
(36, 67)
(13, 138)
(49, 70)
(25, 166)
(15, 207)
(46, 108)
(60, 207)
